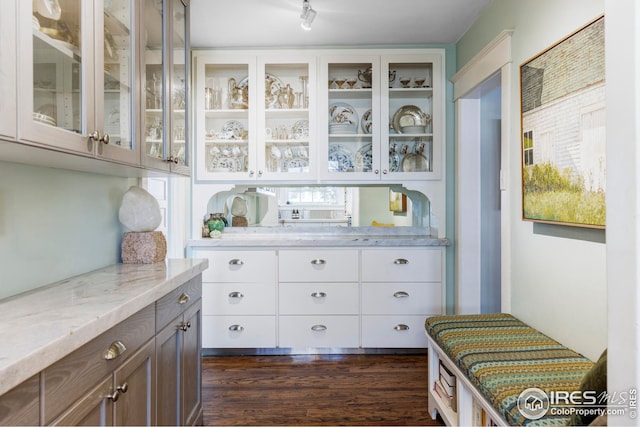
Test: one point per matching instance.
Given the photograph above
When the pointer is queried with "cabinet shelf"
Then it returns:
(64, 48)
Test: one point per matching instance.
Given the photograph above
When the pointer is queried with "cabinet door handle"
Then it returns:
(184, 326)
(121, 389)
(401, 327)
(236, 328)
(236, 261)
(184, 298)
(401, 294)
(318, 328)
(236, 295)
(319, 295)
(115, 350)
(401, 261)
(318, 261)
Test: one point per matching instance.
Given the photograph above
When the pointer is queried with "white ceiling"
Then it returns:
(276, 23)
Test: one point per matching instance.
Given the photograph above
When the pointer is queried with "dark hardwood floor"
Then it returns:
(316, 390)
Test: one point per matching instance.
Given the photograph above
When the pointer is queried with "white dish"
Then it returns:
(342, 118)
(340, 159)
(233, 126)
(301, 129)
(364, 159)
(365, 121)
(270, 81)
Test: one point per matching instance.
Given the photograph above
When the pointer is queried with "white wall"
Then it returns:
(558, 279)
(55, 224)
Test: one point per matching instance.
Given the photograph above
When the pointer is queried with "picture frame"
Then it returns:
(397, 202)
(563, 131)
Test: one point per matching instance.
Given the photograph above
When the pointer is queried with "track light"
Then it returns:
(307, 15)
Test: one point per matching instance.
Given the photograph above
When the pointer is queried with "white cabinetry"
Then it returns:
(255, 116)
(318, 298)
(307, 297)
(8, 79)
(239, 298)
(400, 288)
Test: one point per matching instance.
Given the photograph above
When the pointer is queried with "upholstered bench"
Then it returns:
(494, 358)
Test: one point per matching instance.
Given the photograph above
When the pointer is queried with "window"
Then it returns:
(527, 148)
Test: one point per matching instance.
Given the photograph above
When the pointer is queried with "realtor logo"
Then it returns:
(533, 403)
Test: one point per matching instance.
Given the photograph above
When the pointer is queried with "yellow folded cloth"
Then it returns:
(380, 224)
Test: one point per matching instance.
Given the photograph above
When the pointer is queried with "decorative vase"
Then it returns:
(215, 223)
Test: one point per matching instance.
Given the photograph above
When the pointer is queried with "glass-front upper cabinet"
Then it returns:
(255, 117)
(413, 138)
(350, 135)
(8, 93)
(165, 132)
(78, 74)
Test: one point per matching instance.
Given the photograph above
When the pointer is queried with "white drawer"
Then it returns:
(239, 266)
(238, 299)
(318, 265)
(402, 298)
(319, 331)
(401, 265)
(319, 298)
(238, 331)
(394, 331)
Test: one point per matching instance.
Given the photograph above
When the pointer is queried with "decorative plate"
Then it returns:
(340, 159)
(226, 164)
(409, 116)
(233, 126)
(342, 118)
(364, 159)
(414, 163)
(297, 165)
(365, 121)
(269, 81)
(301, 129)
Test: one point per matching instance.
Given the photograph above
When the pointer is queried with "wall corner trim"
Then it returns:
(483, 64)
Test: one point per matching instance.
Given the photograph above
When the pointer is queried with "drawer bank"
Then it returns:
(120, 345)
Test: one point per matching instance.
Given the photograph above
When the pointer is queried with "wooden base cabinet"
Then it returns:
(21, 405)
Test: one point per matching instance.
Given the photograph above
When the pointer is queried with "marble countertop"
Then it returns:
(42, 326)
(321, 237)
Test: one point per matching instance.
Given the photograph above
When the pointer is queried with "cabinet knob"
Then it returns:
(121, 389)
(401, 294)
(236, 328)
(236, 261)
(115, 350)
(318, 261)
(319, 295)
(184, 298)
(401, 261)
(105, 139)
(184, 326)
(236, 295)
(252, 172)
(401, 327)
(384, 172)
(95, 136)
(317, 328)
(259, 172)
(172, 159)
(377, 172)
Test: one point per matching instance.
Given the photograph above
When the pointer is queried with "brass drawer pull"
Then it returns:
(236, 328)
(401, 261)
(115, 350)
(401, 294)
(319, 295)
(236, 295)
(318, 261)
(318, 328)
(184, 298)
(184, 326)
(401, 327)
(236, 261)
(121, 389)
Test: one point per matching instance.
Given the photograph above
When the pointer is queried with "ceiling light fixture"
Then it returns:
(307, 15)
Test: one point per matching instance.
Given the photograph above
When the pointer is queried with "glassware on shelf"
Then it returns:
(305, 91)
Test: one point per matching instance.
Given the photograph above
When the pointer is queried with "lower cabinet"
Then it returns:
(308, 297)
(144, 371)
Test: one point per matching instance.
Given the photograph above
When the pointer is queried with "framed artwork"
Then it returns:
(563, 131)
(397, 202)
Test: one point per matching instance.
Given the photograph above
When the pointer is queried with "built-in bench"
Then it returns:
(491, 360)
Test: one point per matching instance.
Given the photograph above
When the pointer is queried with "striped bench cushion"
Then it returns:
(503, 356)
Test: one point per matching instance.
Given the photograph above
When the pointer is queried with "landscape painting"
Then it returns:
(563, 131)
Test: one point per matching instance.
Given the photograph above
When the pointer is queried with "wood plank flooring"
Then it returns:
(316, 390)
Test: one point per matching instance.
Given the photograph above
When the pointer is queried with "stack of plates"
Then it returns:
(43, 118)
(342, 118)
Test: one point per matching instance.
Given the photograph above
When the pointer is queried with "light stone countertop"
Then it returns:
(40, 327)
(320, 237)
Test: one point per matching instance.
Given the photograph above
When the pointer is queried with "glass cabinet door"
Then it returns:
(8, 79)
(286, 122)
(179, 156)
(352, 129)
(411, 142)
(225, 89)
